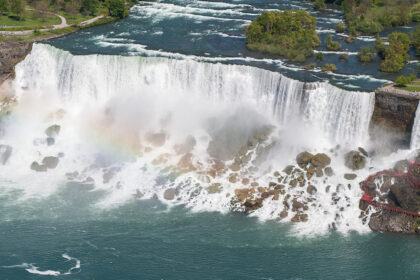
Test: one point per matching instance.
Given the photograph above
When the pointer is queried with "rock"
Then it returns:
(310, 172)
(169, 194)
(5, 153)
(265, 195)
(363, 151)
(214, 188)
(276, 174)
(185, 163)
(329, 171)
(311, 189)
(186, 147)
(38, 167)
(283, 214)
(304, 158)
(288, 170)
(293, 183)
(245, 181)
(242, 194)
(251, 205)
(354, 160)
(261, 189)
(405, 197)
(50, 141)
(233, 178)
(392, 222)
(157, 139)
(53, 130)
(350, 176)
(276, 194)
(296, 205)
(254, 184)
(318, 172)
(50, 162)
(139, 194)
(320, 160)
(235, 168)
(300, 217)
(401, 166)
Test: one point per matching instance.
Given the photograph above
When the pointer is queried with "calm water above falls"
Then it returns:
(181, 67)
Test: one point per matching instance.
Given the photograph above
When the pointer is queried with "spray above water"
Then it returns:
(213, 137)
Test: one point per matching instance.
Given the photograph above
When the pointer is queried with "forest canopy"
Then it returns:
(291, 34)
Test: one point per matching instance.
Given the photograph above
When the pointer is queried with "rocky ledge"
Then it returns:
(398, 192)
(395, 111)
(11, 53)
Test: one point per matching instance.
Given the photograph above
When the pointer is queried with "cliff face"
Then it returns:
(395, 112)
(11, 52)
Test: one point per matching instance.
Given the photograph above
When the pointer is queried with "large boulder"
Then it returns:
(355, 160)
(405, 197)
(320, 160)
(5, 153)
(50, 162)
(169, 194)
(401, 166)
(53, 130)
(38, 167)
(304, 158)
(387, 221)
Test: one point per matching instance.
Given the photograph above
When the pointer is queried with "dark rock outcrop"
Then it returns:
(11, 53)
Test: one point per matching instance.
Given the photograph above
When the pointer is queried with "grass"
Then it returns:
(31, 20)
(413, 86)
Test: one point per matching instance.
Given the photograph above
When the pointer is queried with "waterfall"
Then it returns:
(341, 115)
(415, 133)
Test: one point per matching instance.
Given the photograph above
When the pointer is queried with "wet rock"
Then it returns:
(310, 172)
(401, 166)
(293, 183)
(139, 194)
(363, 151)
(214, 188)
(296, 205)
(276, 194)
(261, 189)
(355, 160)
(5, 153)
(300, 218)
(157, 139)
(50, 162)
(304, 158)
(38, 167)
(319, 172)
(288, 170)
(233, 178)
(50, 141)
(405, 197)
(311, 189)
(251, 205)
(235, 168)
(186, 147)
(169, 194)
(265, 195)
(53, 130)
(242, 194)
(350, 176)
(320, 160)
(276, 174)
(279, 187)
(283, 214)
(245, 181)
(254, 184)
(392, 222)
(329, 171)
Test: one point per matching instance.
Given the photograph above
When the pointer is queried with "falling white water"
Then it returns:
(108, 105)
(415, 133)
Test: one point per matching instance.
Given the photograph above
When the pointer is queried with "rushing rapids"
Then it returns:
(185, 132)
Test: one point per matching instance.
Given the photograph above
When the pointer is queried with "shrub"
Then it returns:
(332, 45)
(402, 81)
(117, 8)
(396, 54)
(89, 7)
(4, 7)
(344, 56)
(329, 67)
(366, 54)
(319, 5)
(319, 56)
(18, 8)
(289, 33)
(340, 28)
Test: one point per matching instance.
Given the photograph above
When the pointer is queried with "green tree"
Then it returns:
(402, 81)
(329, 67)
(366, 54)
(332, 45)
(117, 8)
(415, 12)
(319, 5)
(4, 7)
(416, 40)
(289, 33)
(18, 8)
(90, 7)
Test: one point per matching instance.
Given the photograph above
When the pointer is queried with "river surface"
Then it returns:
(153, 103)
